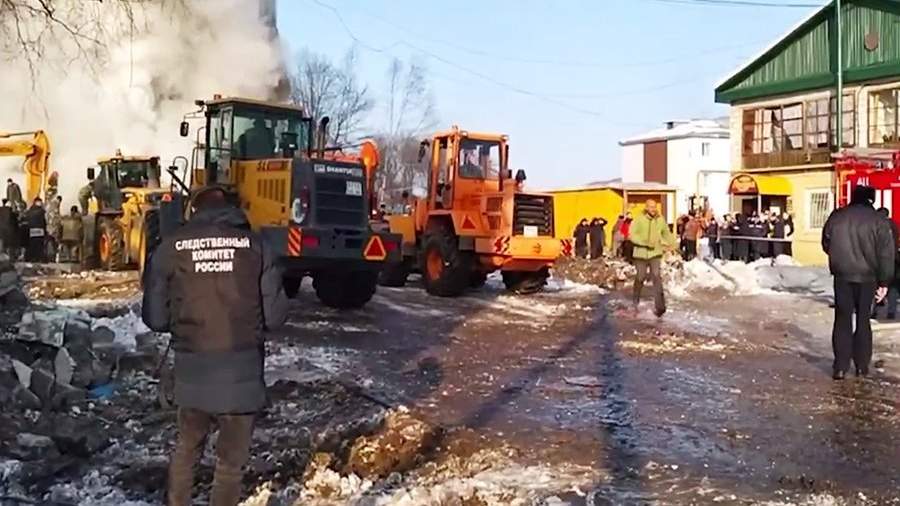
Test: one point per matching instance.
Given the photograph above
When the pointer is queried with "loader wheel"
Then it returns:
(447, 271)
(345, 290)
(523, 282)
(394, 274)
(292, 286)
(111, 246)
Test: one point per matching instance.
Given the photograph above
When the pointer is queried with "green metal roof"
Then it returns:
(806, 58)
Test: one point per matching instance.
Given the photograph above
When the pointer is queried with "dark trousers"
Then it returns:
(778, 248)
(627, 250)
(651, 265)
(715, 247)
(36, 250)
(581, 249)
(232, 452)
(726, 246)
(741, 250)
(596, 249)
(850, 298)
(689, 249)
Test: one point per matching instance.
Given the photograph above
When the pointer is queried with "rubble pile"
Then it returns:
(611, 273)
(59, 358)
(12, 297)
(88, 285)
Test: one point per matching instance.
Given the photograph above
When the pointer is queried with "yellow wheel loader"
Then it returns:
(122, 223)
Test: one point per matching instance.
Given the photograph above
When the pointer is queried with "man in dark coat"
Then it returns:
(581, 238)
(861, 252)
(725, 241)
(8, 229)
(743, 229)
(598, 237)
(36, 225)
(894, 287)
(712, 233)
(14, 195)
(214, 285)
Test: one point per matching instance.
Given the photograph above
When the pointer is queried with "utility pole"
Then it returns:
(840, 78)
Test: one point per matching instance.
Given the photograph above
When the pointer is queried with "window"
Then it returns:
(704, 149)
(479, 159)
(773, 129)
(848, 134)
(268, 133)
(883, 117)
(820, 204)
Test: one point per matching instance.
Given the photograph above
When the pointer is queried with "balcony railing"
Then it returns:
(785, 159)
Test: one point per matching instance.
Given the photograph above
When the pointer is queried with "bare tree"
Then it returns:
(410, 112)
(323, 89)
(75, 31)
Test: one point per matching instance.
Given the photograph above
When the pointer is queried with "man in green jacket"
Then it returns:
(651, 237)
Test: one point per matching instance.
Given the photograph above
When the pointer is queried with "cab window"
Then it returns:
(479, 159)
(261, 134)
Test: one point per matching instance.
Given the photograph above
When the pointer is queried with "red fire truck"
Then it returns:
(879, 169)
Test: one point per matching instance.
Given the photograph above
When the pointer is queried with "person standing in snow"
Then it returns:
(215, 286)
(861, 252)
(598, 237)
(691, 234)
(580, 234)
(627, 245)
(725, 241)
(617, 236)
(651, 237)
(712, 232)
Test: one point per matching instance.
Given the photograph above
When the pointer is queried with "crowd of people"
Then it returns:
(37, 232)
(738, 236)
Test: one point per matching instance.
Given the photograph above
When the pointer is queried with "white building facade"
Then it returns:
(693, 156)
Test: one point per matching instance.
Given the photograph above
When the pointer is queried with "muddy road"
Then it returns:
(724, 399)
(563, 397)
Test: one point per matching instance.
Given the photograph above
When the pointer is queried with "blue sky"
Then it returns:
(566, 79)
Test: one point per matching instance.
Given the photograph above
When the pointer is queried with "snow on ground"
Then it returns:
(126, 327)
(94, 489)
(761, 277)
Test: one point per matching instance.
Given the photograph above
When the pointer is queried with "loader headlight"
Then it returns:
(300, 207)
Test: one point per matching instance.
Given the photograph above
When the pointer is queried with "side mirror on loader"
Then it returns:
(520, 176)
(90, 174)
(184, 129)
(423, 148)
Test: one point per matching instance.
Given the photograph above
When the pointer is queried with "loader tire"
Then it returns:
(345, 290)
(394, 274)
(522, 282)
(111, 245)
(446, 271)
(292, 286)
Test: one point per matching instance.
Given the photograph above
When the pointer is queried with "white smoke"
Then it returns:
(134, 94)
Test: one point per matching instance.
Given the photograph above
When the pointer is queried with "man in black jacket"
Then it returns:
(581, 238)
(214, 286)
(35, 219)
(861, 251)
(597, 237)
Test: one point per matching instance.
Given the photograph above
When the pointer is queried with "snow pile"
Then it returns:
(125, 327)
(94, 489)
(739, 278)
(555, 285)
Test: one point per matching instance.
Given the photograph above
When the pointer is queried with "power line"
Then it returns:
(480, 75)
(551, 61)
(741, 3)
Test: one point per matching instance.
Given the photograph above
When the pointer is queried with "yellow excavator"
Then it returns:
(34, 146)
(122, 226)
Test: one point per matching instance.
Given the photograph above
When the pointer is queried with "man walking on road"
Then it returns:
(861, 251)
(214, 286)
(651, 237)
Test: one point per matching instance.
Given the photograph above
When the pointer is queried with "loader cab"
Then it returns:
(120, 174)
(246, 130)
(465, 165)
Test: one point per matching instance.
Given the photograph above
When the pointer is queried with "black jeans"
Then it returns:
(850, 298)
(642, 266)
(232, 452)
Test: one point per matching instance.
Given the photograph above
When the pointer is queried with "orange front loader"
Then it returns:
(474, 220)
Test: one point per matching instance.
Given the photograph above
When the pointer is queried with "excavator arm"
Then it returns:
(36, 152)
